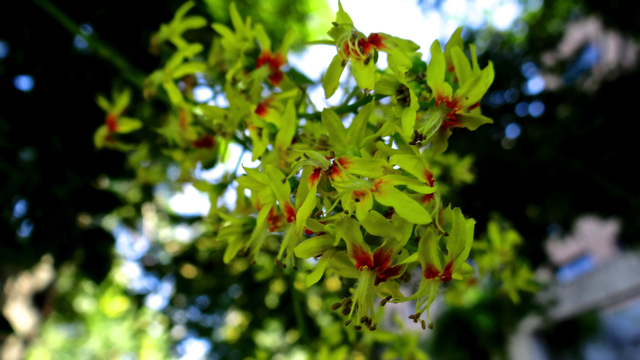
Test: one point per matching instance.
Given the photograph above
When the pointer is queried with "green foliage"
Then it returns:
(107, 324)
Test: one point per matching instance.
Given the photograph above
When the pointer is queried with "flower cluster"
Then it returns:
(362, 200)
(351, 199)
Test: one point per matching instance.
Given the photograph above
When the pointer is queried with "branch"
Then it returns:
(344, 109)
(102, 49)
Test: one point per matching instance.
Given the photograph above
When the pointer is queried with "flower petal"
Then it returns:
(473, 121)
(408, 121)
(314, 246)
(358, 126)
(413, 184)
(460, 239)
(315, 276)
(435, 72)
(403, 205)
(341, 263)
(337, 133)
(331, 79)
(387, 84)
(462, 66)
(289, 123)
(358, 250)
(364, 74)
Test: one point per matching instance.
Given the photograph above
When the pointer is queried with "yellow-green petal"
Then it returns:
(331, 79)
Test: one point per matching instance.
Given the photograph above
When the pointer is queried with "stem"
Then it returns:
(344, 109)
(102, 49)
(350, 96)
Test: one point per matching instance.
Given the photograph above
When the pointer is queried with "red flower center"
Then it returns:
(274, 62)
(111, 122)
(290, 212)
(205, 142)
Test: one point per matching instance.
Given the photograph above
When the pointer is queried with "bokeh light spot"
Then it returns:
(536, 108)
(522, 109)
(4, 49)
(23, 82)
(512, 131)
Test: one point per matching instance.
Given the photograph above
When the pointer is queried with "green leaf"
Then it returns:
(371, 168)
(234, 242)
(429, 251)
(337, 133)
(288, 129)
(411, 183)
(182, 11)
(127, 125)
(191, 50)
(364, 206)
(175, 95)
(458, 242)
(439, 142)
(414, 165)
(331, 79)
(316, 275)
(436, 69)
(213, 112)
(236, 20)
(99, 137)
(364, 74)
(257, 175)
(399, 62)
(192, 22)
(103, 103)
(455, 41)
(471, 92)
(473, 121)
(463, 68)
(262, 37)
(288, 243)
(342, 18)
(403, 205)
(408, 121)
(341, 263)
(122, 101)
(358, 126)
(409, 259)
(249, 183)
(287, 40)
(258, 234)
(314, 246)
(307, 206)
(474, 59)
(315, 225)
(224, 31)
(387, 84)
(407, 46)
(464, 270)
(282, 190)
(191, 67)
(378, 225)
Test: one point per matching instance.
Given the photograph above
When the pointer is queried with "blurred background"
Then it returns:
(96, 263)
